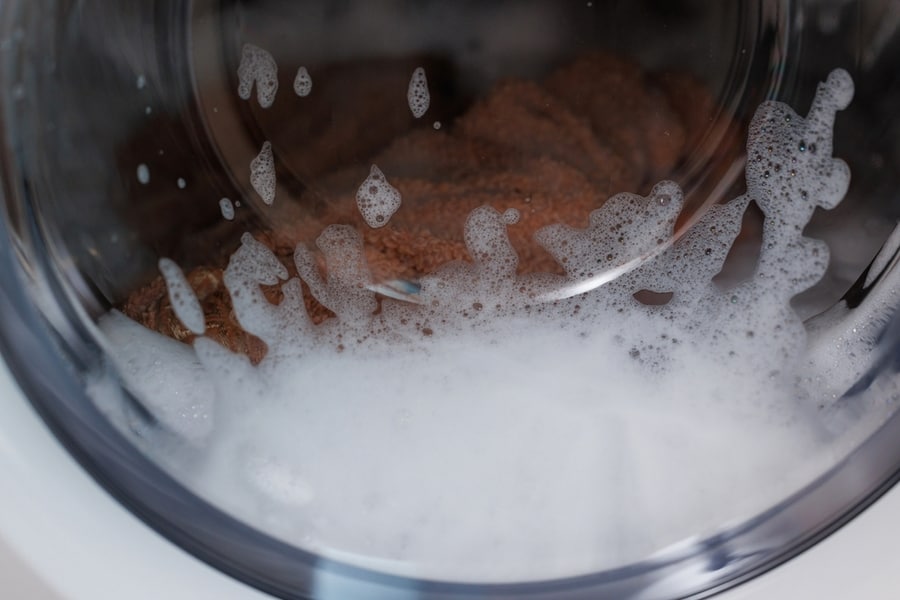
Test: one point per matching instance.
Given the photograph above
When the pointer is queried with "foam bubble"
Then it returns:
(227, 208)
(377, 199)
(343, 291)
(184, 302)
(250, 266)
(257, 66)
(143, 174)
(262, 173)
(302, 83)
(627, 228)
(417, 95)
(511, 216)
(181, 183)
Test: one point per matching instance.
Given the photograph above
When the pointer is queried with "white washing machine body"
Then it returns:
(63, 537)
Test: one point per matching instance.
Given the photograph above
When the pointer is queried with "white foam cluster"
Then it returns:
(184, 302)
(552, 422)
(302, 83)
(843, 340)
(790, 172)
(531, 447)
(257, 67)
(227, 209)
(342, 290)
(417, 95)
(262, 173)
(377, 199)
(627, 229)
(252, 265)
(166, 377)
(143, 174)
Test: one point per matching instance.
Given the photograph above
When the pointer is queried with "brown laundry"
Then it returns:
(554, 150)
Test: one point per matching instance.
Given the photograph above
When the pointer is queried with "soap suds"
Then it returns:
(418, 96)
(227, 209)
(262, 173)
(552, 422)
(143, 174)
(166, 377)
(302, 83)
(182, 297)
(257, 67)
(377, 199)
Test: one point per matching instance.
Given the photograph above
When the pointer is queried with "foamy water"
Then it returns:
(377, 199)
(490, 426)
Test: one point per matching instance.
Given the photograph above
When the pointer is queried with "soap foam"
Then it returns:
(417, 95)
(166, 377)
(257, 67)
(143, 174)
(184, 302)
(377, 199)
(525, 448)
(517, 427)
(227, 209)
(302, 83)
(262, 173)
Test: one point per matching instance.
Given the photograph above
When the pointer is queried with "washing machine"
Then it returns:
(420, 299)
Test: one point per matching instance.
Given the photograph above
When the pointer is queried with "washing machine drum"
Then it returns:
(495, 299)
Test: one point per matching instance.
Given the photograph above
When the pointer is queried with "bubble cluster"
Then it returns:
(626, 229)
(302, 83)
(342, 290)
(252, 265)
(262, 173)
(227, 209)
(184, 302)
(377, 199)
(790, 172)
(166, 377)
(257, 66)
(417, 95)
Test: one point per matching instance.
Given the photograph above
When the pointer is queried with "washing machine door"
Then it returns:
(445, 300)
